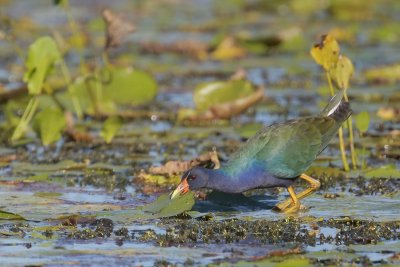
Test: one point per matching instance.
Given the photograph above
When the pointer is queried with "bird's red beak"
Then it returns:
(182, 188)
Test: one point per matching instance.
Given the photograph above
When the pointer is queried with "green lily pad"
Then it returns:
(212, 93)
(166, 207)
(386, 171)
(129, 86)
(5, 215)
(59, 166)
(49, 124)
(362, 121)
(42, 55)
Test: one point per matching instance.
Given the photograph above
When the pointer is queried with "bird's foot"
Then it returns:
(281, 206)
(288, 209)
(292, 208)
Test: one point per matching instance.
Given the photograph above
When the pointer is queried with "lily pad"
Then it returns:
(362, 121)
(384, 171)
(5, 215)
(212, 93)
(166, 207)
(129, 86)
(60, 166)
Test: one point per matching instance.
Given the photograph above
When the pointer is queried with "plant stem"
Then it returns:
(343, 150)
(25, 119)
(354, 158)
(341, 140)
(71, 88)
(75, 32)
(329, 78)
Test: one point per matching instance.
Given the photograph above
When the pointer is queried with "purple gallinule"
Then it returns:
(274, 157)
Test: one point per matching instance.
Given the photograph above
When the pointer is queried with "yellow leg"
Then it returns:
(314, 185)
(294, 200)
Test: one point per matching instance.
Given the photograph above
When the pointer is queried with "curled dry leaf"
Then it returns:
(176, 167)
(191, 48)
(116, 28)
(240, 74)
(227, 110)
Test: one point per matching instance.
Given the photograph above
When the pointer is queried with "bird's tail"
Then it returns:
(337, 108)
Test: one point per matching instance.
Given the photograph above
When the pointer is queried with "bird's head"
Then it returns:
(194, 178)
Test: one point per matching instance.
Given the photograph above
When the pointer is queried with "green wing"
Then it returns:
(293, 146)
(287, 149)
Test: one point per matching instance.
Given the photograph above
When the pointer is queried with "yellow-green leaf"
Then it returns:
(42, 55)
(211, 93)
(110, 128)
(362, 121)
(228, 49)
(49, 124)
(342, 72)
(326, 53)
(129, 86)
(5, 215)
(166, 207)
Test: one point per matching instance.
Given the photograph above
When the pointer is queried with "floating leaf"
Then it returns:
(362, 121)
(212, 93)
(48, 194)
(389, 74)
(158, 179)
(326, 53)
(383, 172)
(388, 113)
(54, 167)
(110, 128)
(38, 178)
(49, 124)
(129, 86)
(166, 207)
(5, 215)
(42, 55)
(228, 49)
(342, 72)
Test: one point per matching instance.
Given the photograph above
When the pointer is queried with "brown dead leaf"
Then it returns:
(177, 167)
(227, 110)
(74, 134)
(240, 74)
(116, 28)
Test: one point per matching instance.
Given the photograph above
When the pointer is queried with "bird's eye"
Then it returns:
(192, 177)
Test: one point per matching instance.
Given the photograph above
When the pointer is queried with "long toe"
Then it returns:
(281, 206)
(294, 208)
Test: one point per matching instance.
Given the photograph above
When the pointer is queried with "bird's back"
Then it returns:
(287, 149)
